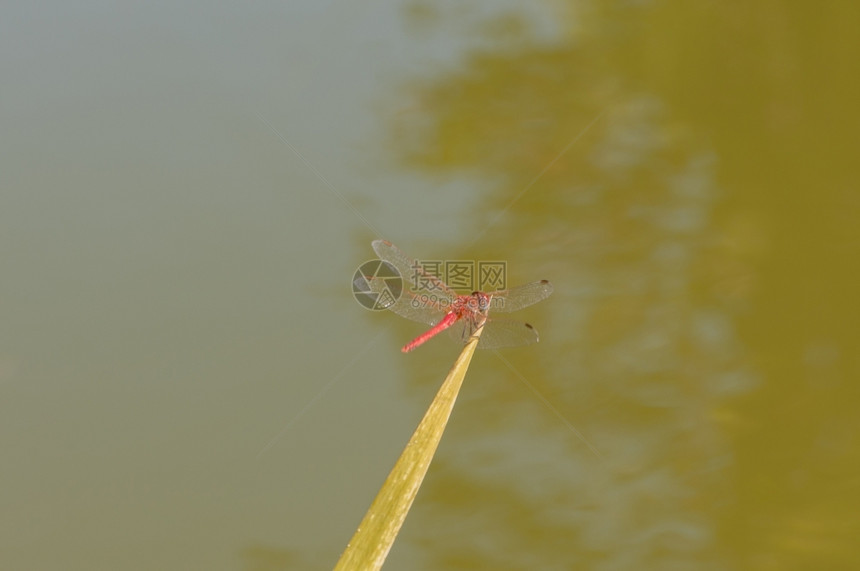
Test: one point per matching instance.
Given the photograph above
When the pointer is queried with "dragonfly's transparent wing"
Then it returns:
(414, 277)
(425, 298)
(519, 297)
(498, 333)
(420, 308)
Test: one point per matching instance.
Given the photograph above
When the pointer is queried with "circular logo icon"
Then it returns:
(376, 285)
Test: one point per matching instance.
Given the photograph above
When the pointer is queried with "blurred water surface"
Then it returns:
(186, 382)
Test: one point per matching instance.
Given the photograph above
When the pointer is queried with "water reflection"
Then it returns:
(644, 352)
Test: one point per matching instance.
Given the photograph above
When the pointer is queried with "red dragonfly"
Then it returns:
(438, 305)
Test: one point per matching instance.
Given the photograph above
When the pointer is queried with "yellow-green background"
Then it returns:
(186, 190)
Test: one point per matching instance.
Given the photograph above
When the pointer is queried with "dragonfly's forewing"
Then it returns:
(519, 297)
(425, 298)
(414, 277)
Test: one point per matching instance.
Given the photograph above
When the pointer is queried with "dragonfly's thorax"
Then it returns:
(483, 301)
(477, 302)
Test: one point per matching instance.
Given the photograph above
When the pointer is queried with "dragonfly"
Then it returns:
(436, 304)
